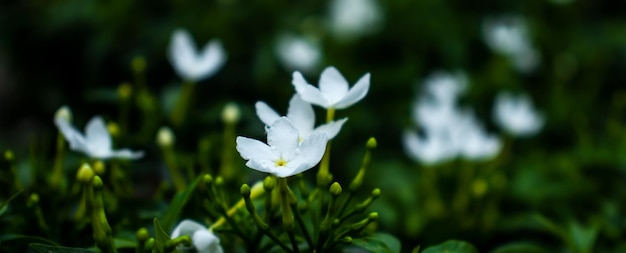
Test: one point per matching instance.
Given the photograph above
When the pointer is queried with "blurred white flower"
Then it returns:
(285, 155)
(203, 239)
(444, 87)
(509, 36)
(354, 18)
(302, 116)
(428, 149)
(472, 141)
(191, 65)
(96, 143)
(516, 115)
(298, 53)
(334, 91)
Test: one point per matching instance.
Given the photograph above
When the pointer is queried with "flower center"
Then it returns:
(281, 163)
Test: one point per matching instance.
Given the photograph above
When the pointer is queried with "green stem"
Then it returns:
(57, 179)
(180, 110)
(288, 217)
(172, 166)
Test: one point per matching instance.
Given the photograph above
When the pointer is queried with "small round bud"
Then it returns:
(99, 168)
(219, 181)
(335, 189)
(335, 222)
(479, 187)
(33, 199)
(63, 113)
(231, 113)
(245, 190)
(208, 179)
(269, 183)
(85, 174)
(373, 216)
(124, 90)
(138, 63)
(8, 155)
(346, 239)
(376, 193)
(142, 234)
(165, 137)
(97, 183)
(113, 128)
(371, 143)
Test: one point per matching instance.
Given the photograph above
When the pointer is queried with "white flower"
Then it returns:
(297, 53)
(333, 89)
(96, 143)
(428, 150)
(302, 116)
(517, 115)
(191, 65)
(444, 87)
(202, 238)
(472, 141)
(284, 156)
(353, 18)
(508, 36)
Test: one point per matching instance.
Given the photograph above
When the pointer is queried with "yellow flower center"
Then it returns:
(281, 163)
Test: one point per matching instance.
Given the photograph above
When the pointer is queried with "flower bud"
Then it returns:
(142, 234)
(335, 189)
(208, 179)
(8, 155)
(346, 239)
(97, 183)
(85, 174)
(219, 181)
(165, 137)
(113, 128)
(33, 199)
(231, 113)
(269, 183)
(373, 216)
(138, 64)
(124, 91)
(99, 168)
(371, 143)
(245, 190)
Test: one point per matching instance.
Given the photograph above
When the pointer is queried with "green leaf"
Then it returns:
(43, 248)
(123, 243)
(379, 242)
(161, 236)
(520, 247)
(178, 203)
(4, 206)
(28, 238)
(452, 246)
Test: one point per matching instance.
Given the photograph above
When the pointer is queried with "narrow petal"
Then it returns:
(251, 149)
(211, 60)
(307, 92)
(97, 136)
(333, 85)
(267, 115)
(127, 154)
(187, 227)
(301, 115)
(356, 93)
(331, 129)
(309, 153)
(182, 53)
(72, 136)
(263, 165)
(283, 136)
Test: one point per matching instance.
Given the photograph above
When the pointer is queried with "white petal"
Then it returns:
(97, 137)
(127, 154)
(211, 60)
(283, 136)
(267, 115)
(301, 115)
(183, 53)
(284, 171)
(331, 129)
(358, 92)
(187, 227)
(206, 242)
(72, 136)
(307, 92)
(309, 153)
(333, 85)
(251, 149)
(262, 165)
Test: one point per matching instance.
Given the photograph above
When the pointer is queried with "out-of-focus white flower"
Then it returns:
(63, 113)
(96, 143)
(203, 239)
(298, 53)
(191, 65)
(509, 36)
(354, 18)
(334, 91)
(427, 149)
(231, 113)
(516, 115)
(445, 87)
(472, 141)
(302, 116)
(285, 155)
(165, 137)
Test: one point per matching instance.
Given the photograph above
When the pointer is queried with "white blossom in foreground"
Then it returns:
(508, 36)
(334, 91)
(516, 115)
(283, 155)
(353, 18)
(302, 116)
(298, 53)
(203, 239)
(191, 65)
(96, 143)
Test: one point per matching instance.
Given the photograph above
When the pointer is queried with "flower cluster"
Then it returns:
(509, 36)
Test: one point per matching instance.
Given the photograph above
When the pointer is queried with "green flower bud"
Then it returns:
(219, 181)
(335, 189)
(99, 168)
(138, 64)
(113, 128)
(245, 191)
(149, 244)
(97, 183)
(8, 155)
(208, 179)
(124, 90)
(85, 174)
(371, 143)
(142, 234)
(269, 183)
(231, 113)
(346, 239)
(33, 199)
(376, 193)
(373, 216)
(165, 137)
